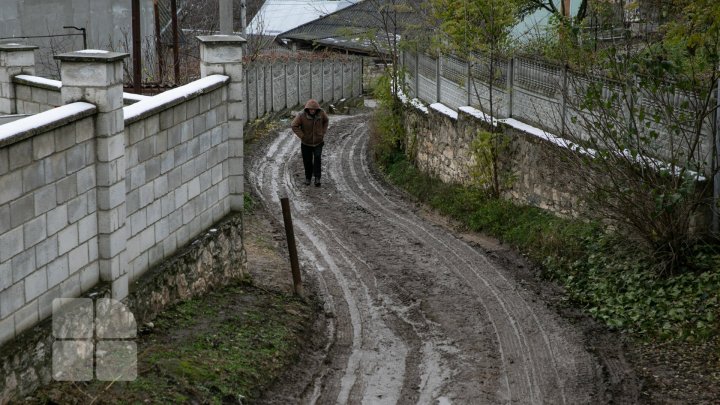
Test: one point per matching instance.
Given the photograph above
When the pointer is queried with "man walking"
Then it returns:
(310, 126)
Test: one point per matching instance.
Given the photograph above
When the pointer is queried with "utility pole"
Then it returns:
(136, 47)
(226, 17)
(243, 17)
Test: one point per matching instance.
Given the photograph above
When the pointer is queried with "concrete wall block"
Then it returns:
(181, 154)
(217, 174)
(138, 222)
(133, 201)
(161, 142)
(224, 188)
(66, 189)
(93, 252)
(146, 149)
(11, 299)
(135, 132)
(162, 229)
(35, 284)
(23, 264)
(77, 208)
(147, 194)
(207, 69)
(45, 302)
(4, 218)
(205, 139)
(193, 148)
(110, 148)
(55, 167)
(211, 120)
(22, 210)
(111, 197)
(7, 329)
(155, 255)
(86, 179)
(70, 288)
(235, 71)
(43, 145)
(6, 106)
(200, 123)
(136, 178)
(236, 148)
(31, 108)
(39, 95)
(23, 92)
(110, 245)
(57, 219)
(174, 136)
(175, 178)
(235, 130)
(193, 107)
(188, 212)
(236, 166)
(26, 317)
(187, 130)
(76, 158)
(54, 98)
(147, 238)
(160, 186)
(110, 221)
(67, 239)
(87, 228)
(46, 251)
(20, 154)
(110, 123)
(236, 185)
(11, 243)
(4, 161)
(181, 196)
(152, 124)
(166, 119)
(169, 244)
(154, 212)
(90, 276)
(133, 248)
(6, 276)
(83, 74)
(20, 59)
(188, 171)
(168, 204)
(205, 180)
(236, 92)
(216, 136)
(33, 176)
(78, 257)
(120, 287)
(193, 188)
(179, 113)
(45, 199)
(65, 137)
(34, 231)
(201, 163)
(152, 169)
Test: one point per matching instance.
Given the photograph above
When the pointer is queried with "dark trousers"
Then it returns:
(311, 160)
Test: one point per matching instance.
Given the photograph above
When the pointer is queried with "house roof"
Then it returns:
(361, 27)
(277, 16)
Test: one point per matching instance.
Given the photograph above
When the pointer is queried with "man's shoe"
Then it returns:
(307, 182)
(317, 183)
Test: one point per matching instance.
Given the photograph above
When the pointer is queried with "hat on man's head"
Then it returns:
(312, 105)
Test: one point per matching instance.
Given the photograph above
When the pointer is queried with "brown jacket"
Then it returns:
(311, 129)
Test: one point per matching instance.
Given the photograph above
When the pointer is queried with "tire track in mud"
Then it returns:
(418, 315)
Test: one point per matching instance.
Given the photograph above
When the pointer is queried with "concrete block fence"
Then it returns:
(93, 190)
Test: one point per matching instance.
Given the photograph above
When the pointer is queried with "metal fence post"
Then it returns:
(468, 86)
(563, 101)
(716, 177)
(285, 85)
(417, 74)
(510, 78)
(438, 80)
(297, 73)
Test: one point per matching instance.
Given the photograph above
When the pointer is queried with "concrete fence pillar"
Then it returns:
(223, 55)
(97, 78)
(15, 59)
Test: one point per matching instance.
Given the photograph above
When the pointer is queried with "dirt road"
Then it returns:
(414, 314)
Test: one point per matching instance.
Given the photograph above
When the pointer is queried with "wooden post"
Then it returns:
(292, 249)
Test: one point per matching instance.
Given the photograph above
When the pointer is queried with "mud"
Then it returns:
(416, 312)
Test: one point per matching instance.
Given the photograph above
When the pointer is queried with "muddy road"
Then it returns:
(414, 314)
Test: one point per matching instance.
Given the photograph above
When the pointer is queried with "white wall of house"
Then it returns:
(108, 25)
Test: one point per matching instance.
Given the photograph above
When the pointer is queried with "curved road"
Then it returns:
(418, 316)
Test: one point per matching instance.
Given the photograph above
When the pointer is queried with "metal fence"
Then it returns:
(536, 92)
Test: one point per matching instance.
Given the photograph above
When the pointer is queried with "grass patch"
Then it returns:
(229, 345)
